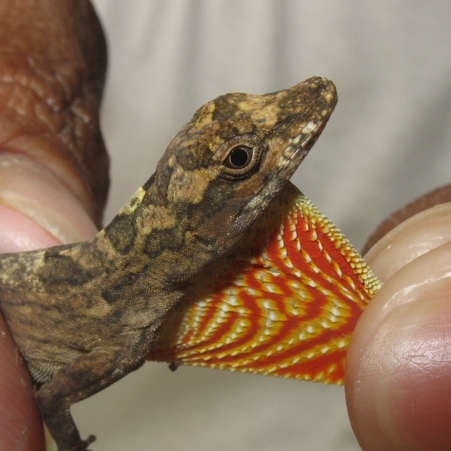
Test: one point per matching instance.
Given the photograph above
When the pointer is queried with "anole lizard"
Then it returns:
(84, 315)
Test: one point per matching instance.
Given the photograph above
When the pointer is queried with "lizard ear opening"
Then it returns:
(242, 155)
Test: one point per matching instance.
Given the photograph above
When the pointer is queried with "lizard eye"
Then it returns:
(239, 157)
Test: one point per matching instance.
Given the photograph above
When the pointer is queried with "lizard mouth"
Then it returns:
(297, 150)
(310, 126)
(305, 140)
(316, 131)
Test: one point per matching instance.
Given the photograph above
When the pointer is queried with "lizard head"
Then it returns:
(223, 168)
(220, 172)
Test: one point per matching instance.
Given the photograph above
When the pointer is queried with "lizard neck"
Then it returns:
(154, 239)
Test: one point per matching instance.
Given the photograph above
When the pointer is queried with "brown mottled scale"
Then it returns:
(84, 315)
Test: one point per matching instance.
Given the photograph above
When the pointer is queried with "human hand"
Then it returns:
(398, 381)
(53, 165)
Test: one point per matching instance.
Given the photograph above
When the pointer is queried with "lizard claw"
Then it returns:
(85, 443)
(82, 445)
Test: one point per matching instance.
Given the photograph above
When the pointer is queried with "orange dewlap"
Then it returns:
(285, 307)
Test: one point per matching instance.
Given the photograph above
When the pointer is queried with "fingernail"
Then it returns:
(33, 198)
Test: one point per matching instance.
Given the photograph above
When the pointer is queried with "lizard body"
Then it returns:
(86, 314)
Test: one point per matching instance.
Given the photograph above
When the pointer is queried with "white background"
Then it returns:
(387, 142)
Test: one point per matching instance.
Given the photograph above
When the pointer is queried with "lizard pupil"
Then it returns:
(240, 157)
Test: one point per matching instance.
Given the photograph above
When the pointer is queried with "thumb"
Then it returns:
(398, 382)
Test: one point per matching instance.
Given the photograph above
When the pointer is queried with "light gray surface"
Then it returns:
(387, 142)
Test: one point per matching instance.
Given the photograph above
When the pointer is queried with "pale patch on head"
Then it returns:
(188, 186)
(330, 97)
(205, 115)
(267, 114)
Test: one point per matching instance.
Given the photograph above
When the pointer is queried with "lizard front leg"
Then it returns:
(84, 377)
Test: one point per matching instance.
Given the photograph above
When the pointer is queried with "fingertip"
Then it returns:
(399, 360)
(398, 386)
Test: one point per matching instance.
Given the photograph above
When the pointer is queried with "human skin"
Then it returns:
(398, 381)
(53, 173)
(53, 164)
